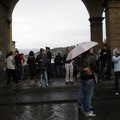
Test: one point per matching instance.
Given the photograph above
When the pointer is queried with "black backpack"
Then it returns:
(44, 63)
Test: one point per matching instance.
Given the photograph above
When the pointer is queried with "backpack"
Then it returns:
(44, 63)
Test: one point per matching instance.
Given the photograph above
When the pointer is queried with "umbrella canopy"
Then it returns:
(81, 48)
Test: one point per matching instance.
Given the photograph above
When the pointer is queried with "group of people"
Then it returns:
(63, 67)
(67, 68)
(85, 64)
(41, 64)
(88, 63)
(15, 66)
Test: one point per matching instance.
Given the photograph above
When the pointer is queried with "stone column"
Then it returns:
(96, 30)
(11, 46)
(4, 38)
(112, 13)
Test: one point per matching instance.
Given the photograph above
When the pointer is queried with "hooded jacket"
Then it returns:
(116, 61)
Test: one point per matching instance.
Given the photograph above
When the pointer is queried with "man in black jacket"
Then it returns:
(49, 66)
(59, 65)
(42, 60)
(105, 62)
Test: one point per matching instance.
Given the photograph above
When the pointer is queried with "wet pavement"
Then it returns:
(55, 102)
(105, 109)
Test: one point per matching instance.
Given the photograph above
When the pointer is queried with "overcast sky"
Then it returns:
(53, 23)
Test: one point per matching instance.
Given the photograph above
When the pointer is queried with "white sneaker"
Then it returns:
(47, 84)
(116, 93)
(40, 85)
(89, 114)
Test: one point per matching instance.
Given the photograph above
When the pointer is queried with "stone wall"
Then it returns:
(113, 24)
(4, 37)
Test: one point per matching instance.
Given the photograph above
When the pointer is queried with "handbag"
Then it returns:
(96, 78)
(95, 75)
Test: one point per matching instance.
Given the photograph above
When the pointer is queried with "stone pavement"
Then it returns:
(55, 102)
(57, 91)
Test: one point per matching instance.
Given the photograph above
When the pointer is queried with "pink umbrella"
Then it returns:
(81, 48)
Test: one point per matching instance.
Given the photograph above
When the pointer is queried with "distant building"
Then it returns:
(13, 45)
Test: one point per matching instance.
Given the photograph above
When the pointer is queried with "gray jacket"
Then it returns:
(116, 61)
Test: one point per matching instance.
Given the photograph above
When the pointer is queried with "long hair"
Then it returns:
(31, 53)
(106, 46)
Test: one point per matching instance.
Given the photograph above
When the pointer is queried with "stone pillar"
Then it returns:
(4, 38)
(112, 13)
(11, 46)
(96, 30)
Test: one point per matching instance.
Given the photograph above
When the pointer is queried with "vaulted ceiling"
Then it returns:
(95, 7)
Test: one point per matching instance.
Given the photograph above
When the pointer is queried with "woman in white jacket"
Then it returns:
(116, 62)
(10, 68)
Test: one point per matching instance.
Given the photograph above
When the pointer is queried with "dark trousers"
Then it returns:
(102, 69)
(10, 74)
(59, 70)
(18, 73)
(49, 74)
(116, 85)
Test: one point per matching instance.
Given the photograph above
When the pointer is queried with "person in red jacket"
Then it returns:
(22, 65)
(18, 65)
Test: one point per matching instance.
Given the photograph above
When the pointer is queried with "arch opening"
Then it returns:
(50, 23)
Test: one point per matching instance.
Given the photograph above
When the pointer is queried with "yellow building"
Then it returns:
(13, 45)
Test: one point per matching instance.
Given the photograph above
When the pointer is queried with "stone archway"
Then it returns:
(95, 9)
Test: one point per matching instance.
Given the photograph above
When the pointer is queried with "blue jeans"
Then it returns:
(59, 71)
(18, 73)
(22, 75)
(43, 73)
(102, 69)
(85, 94)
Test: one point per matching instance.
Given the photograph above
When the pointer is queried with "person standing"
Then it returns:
(10, 64)
(48, 53)
(68, 67)
(22, 65)
(85, 64)
(59, 64)
(104, 61)
(116, 62)
(32, 67)
(43, 63)
(18, 65)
